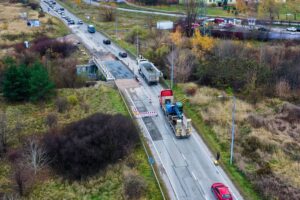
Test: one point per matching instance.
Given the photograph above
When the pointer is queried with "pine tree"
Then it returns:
(40, 86)
(15, 82)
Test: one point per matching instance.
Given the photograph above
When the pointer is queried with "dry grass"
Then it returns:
(14, 29)
(217, 114)
(286, 168)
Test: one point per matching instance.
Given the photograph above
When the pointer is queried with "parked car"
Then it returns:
(219, 20)
(221, 192)
(123, 54)
(291, 29)
(106, 42)
(80, 22)
(226, 25)
(298, 29)
(62, 9)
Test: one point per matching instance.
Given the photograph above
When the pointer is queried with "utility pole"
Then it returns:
(116, 25)
(232, 131)
(137, 44)
(172, 65)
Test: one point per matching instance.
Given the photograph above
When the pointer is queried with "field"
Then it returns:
(265, 139)
(108, 184)
(14, 29)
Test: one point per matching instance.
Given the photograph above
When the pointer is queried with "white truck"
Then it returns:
(148, 71)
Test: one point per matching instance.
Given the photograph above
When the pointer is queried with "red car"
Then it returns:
(221, 192)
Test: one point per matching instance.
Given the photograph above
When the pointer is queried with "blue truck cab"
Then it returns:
(91, 28)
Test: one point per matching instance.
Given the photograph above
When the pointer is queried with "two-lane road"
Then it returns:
(186, 165)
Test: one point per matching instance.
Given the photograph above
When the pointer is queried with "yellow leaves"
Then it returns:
(78, 2)
(241, 6)
(177, 36)
(201, 43)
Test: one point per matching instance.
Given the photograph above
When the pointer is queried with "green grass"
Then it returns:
(60, 29)
(106, 185)
(209, 137)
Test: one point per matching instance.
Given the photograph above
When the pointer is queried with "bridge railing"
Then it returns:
(103, 69)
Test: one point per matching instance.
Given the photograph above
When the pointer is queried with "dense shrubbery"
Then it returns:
(251, 71)
(83, 148)
(26, 82)
(44, 45)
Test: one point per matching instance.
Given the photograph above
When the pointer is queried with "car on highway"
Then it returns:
(91, 28)
(221, 192)
(123, 54)
(62, 9)
(63, 16)
(291, 29)
(80, 22)
(71, 22)
(106, 42)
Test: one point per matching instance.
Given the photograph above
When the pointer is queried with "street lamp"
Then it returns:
(172, 65)
(232, 127)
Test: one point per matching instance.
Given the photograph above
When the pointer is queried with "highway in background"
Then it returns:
(185, 165)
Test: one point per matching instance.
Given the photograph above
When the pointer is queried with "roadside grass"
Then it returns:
(108, 184)
(14, 30)
(210, 138)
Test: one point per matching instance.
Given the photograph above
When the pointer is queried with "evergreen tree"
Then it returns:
(15, 82)
(40, 86)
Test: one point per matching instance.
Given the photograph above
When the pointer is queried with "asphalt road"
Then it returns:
(186, 165)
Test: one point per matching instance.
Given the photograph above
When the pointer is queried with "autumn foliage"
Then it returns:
(201, 44)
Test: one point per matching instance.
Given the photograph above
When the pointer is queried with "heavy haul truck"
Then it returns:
(180, 125)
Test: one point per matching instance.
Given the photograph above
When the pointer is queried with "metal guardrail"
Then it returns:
(144, 147)
(103, 69)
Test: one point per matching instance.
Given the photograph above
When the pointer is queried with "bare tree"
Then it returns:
(108, 12)
(3, 132)
(191, 11)
(35, 155)
(184, 62)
